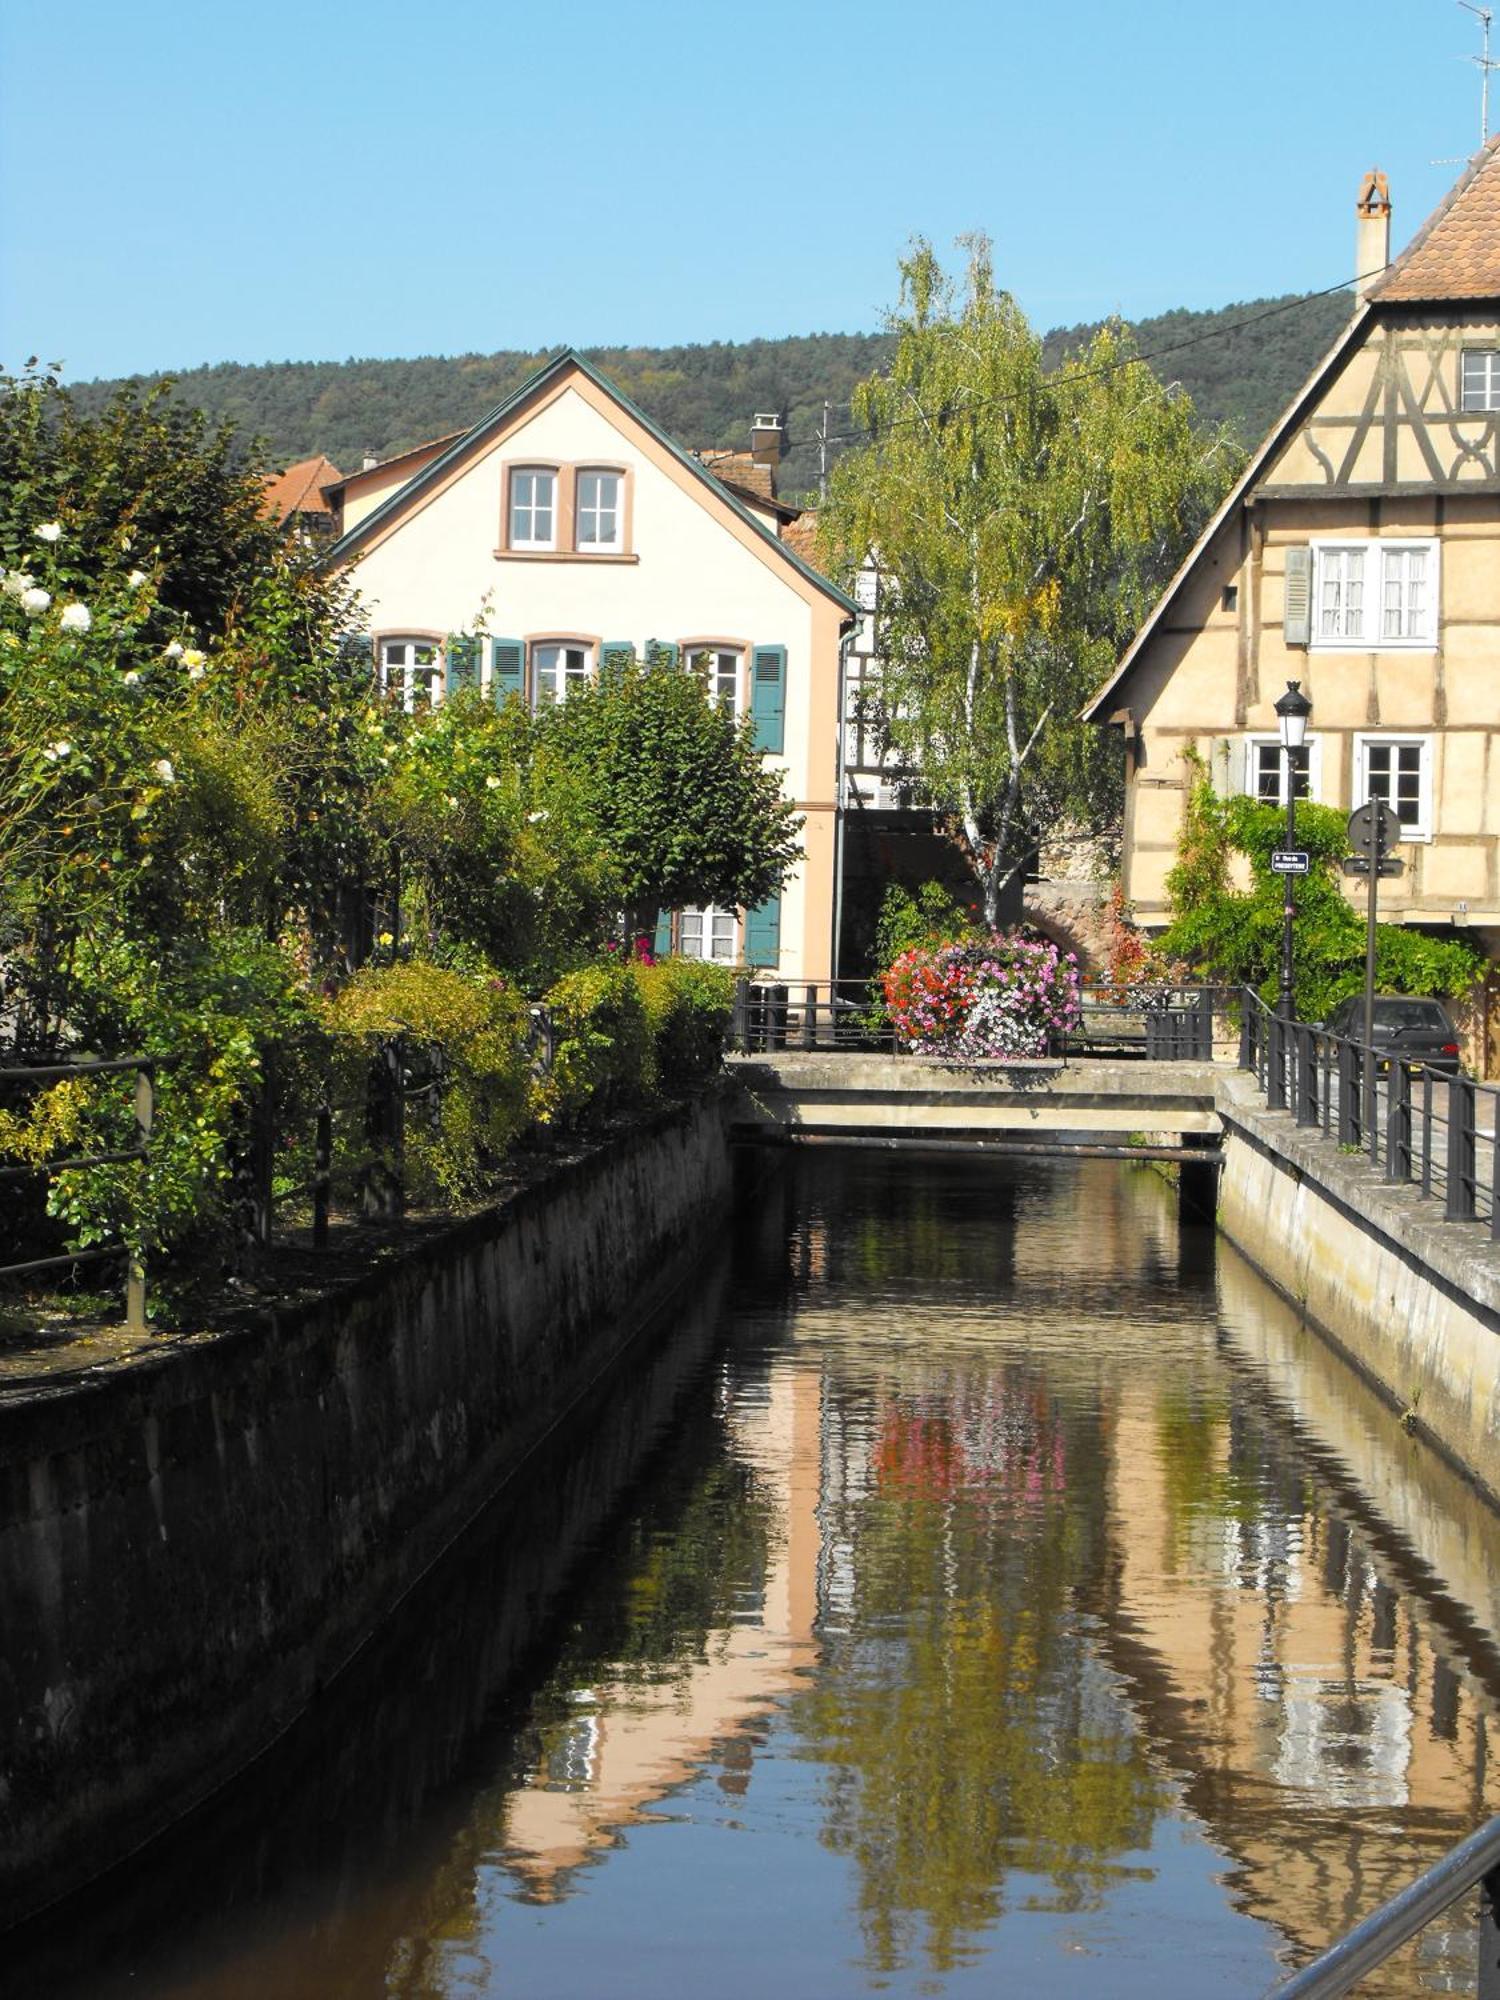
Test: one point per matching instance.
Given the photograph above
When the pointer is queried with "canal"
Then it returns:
(985, 1587)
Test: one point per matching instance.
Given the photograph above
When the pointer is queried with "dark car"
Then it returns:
(1419, 1032)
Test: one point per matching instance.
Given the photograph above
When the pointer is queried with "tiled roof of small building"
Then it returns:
(1456, 252)
(299, 490)
(801, 537)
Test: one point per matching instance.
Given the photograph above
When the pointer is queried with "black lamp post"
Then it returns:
(1292, 712)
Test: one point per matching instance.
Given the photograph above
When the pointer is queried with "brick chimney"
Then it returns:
(1372, 232)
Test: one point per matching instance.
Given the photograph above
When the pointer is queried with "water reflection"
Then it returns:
(1002, 1587)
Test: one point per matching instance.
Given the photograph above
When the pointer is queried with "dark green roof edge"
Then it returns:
(570, 356)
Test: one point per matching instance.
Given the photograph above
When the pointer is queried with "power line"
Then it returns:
(1114, 367)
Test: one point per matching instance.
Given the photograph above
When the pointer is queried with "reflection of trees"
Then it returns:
(969, 1731)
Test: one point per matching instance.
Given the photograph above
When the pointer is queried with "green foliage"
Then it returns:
(1025, 522)
(688, 1005)
(604, 1058)
(463, 1032)
(686, 811)
(1235, 936)
(932, 916)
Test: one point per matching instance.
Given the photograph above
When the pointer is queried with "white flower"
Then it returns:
(535, 817)
(452, 802)
(132, 679)
(195, 673)
(135, 579)
(163, 769)
(54, 751)
(35, 601)
(76, 618)
(491, 783)
(49, 531)
(17, 582)
(192, 659)
(174, 651)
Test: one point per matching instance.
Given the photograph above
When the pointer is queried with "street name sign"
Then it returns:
(1289, 861)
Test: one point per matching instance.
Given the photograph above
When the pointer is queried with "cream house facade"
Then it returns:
(1359, 555)
(517, 554)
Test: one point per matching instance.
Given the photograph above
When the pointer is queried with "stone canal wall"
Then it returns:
(1413, 1301)
(191, 1545)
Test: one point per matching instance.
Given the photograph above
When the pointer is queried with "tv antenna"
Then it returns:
(1484, 16)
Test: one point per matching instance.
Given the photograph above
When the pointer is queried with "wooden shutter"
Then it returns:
(507, 670)
(1296, 615)
(462, 663)
(768, 698)
(763, 934)
(615, 653)
(662, 943)
(661, 652)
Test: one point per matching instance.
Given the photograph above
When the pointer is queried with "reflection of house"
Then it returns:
(566, 524)
(1360, 555)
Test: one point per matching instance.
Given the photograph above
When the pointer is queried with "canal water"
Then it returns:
(983, 1586)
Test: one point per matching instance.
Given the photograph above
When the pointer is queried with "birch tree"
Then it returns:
(1022, 521)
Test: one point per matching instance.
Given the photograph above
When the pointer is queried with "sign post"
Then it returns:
(1373, 831)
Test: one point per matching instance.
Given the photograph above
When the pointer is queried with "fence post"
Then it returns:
(385, 1126)
(809, 1016)
(1426, 1131)
(1488, 1987)
(1348, 1095)
(1307, 1075)
(322, 1175)
(1276, 1069)
(1206, 1024)
(739, 1027)
(135, 1260)
(1247, 1032)
(1398, 1124)
(1460, 1207)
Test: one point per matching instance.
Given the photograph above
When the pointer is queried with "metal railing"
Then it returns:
(1424, 1128)
(1160, 1023)
(144, 1111)
(1474, 1863)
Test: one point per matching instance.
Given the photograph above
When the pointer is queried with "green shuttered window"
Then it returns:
(463, 663)
(615, 653)
(662, 943)
(763, 933)
(507, 669)
(768, 698)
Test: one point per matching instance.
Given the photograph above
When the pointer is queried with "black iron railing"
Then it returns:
(1421, 1127)
(1475, 1863)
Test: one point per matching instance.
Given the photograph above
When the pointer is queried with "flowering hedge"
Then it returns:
(996, 998)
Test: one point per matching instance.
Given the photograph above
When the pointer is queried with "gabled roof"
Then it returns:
(432, 474)
(1456, 252)
(299, 490)
(342, 480)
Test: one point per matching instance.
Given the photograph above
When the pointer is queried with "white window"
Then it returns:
(1398, 771)
(1265, 769)
(721, 665)
(533, 496)
(707, 933)
(1480, 386)
(1375, 595)
(555, 671)
(598, 510)
(411, 672)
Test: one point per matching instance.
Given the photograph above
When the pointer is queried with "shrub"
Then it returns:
(1000, 998)
(602, 1056)
(464, 1033)
(930, 917)
(688, 1004)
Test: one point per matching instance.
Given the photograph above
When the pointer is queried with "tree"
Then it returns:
(1023, 522)
(686, 810)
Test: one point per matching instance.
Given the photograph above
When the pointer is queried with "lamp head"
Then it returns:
(1292, 712)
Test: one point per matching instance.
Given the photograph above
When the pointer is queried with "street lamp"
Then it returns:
(1292, 712)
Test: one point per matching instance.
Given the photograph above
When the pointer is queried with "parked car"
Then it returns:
(1419, 1032)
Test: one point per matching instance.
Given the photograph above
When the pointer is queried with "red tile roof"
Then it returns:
(299, 490)
(1456, 252)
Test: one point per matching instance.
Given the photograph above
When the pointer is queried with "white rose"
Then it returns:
(195, 673)
(76, 618)
(17, 582)
(49, 531)
(174, 651)
(135, 579)
(491, 783)
(35, 601)
(132, 679)
(192, 659)
(54, 751)
(163, 769)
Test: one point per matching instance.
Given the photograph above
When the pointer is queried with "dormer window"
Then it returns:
(533, 508)
(1480, 382)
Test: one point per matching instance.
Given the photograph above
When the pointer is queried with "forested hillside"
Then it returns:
(707, 395)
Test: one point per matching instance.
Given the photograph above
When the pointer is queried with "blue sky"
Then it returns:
(185, 183)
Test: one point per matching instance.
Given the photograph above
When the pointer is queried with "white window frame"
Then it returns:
(567, 674)
(612, 510)
(1485, 389)
(1381, 561)
(1422, 827)
(531, 507)
(725, 666)
(701, 924)
(411, 669)
(1253, 747)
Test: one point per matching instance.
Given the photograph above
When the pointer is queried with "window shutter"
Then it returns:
(1296, 617)
(615, 653)
(357, 653)
(661, 652)
(768, 698)
(763, 934)
(662, 943)
(507, 670)
(463, 663)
